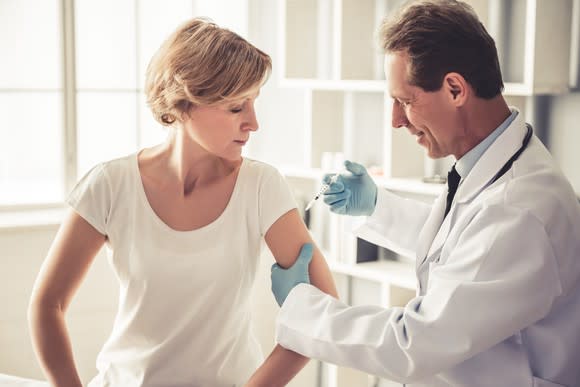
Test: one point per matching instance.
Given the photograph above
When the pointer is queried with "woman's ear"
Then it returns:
(187, 109)
(456, 88)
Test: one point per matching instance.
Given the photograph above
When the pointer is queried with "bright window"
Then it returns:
(113, 42)
(31, 107)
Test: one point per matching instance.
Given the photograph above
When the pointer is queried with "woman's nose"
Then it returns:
(251, 121)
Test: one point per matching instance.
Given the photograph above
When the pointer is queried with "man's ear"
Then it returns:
(456, 88)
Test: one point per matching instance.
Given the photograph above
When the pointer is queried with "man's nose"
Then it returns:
(399, 118)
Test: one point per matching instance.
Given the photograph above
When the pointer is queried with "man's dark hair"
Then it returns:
(443, 36)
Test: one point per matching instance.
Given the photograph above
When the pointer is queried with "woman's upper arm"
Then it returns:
(73, 250)
(285, 239)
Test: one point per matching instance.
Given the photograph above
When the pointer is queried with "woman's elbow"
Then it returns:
(40, 306)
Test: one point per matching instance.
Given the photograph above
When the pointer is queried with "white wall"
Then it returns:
(90, 316)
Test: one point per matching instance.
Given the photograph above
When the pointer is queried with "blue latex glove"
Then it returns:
(352, 194)
(284, 280)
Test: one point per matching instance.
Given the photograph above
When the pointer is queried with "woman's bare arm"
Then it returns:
(69, 258)
(285, 239)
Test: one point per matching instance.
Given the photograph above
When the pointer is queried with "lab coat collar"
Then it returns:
(431, 229)
(437, 228)
(492, 160)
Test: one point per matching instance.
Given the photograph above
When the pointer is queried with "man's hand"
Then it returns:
(284, 280)
(352, 194)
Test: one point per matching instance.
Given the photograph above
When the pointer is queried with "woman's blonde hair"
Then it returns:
(201, 64)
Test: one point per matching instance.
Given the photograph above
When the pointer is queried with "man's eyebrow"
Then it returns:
(398, 97)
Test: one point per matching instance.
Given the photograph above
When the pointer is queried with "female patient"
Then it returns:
(183, 222)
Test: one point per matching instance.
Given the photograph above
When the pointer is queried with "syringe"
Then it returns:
(322, 190)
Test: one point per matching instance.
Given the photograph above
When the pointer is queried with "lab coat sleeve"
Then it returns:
(396, 223)
(501, 277)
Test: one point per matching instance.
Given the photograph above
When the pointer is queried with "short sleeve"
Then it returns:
(275, 199)
(91, 198)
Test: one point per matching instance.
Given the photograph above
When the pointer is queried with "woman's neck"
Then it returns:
(181, 162)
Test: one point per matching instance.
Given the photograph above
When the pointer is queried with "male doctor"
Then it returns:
(498, 253)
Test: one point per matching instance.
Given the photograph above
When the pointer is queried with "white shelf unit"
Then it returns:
(533, 38)
(403, 185)
(330, 39)
(330, 50)
(395, 274)
(331, 43)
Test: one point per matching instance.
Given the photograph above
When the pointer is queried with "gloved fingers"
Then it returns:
(337, 186)
(275, 267)
(339, 207)
(305, 255)
(330, 199)
(326, 178)
(355, 168)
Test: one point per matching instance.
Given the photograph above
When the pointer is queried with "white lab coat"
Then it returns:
(498, 300)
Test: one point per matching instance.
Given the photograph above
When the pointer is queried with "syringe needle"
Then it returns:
(322, 190)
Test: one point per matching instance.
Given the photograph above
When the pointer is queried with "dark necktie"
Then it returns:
(453, 179)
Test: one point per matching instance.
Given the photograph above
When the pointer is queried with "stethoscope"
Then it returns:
(499, 174)
(515, 156)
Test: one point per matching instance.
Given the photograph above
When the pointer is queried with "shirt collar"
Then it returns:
(465, 164)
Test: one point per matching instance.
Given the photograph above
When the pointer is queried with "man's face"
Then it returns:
(427, 115)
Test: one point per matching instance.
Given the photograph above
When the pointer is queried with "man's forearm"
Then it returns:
(52, 345)
(278, 369)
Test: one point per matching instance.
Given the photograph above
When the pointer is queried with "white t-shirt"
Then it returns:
(184, 316)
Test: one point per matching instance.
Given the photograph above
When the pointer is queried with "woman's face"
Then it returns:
(224, 128)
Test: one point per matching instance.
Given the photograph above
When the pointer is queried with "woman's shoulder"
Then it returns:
(109, 173)
(120, 164)
(264, 178)
(260, 169)
(114, 170)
